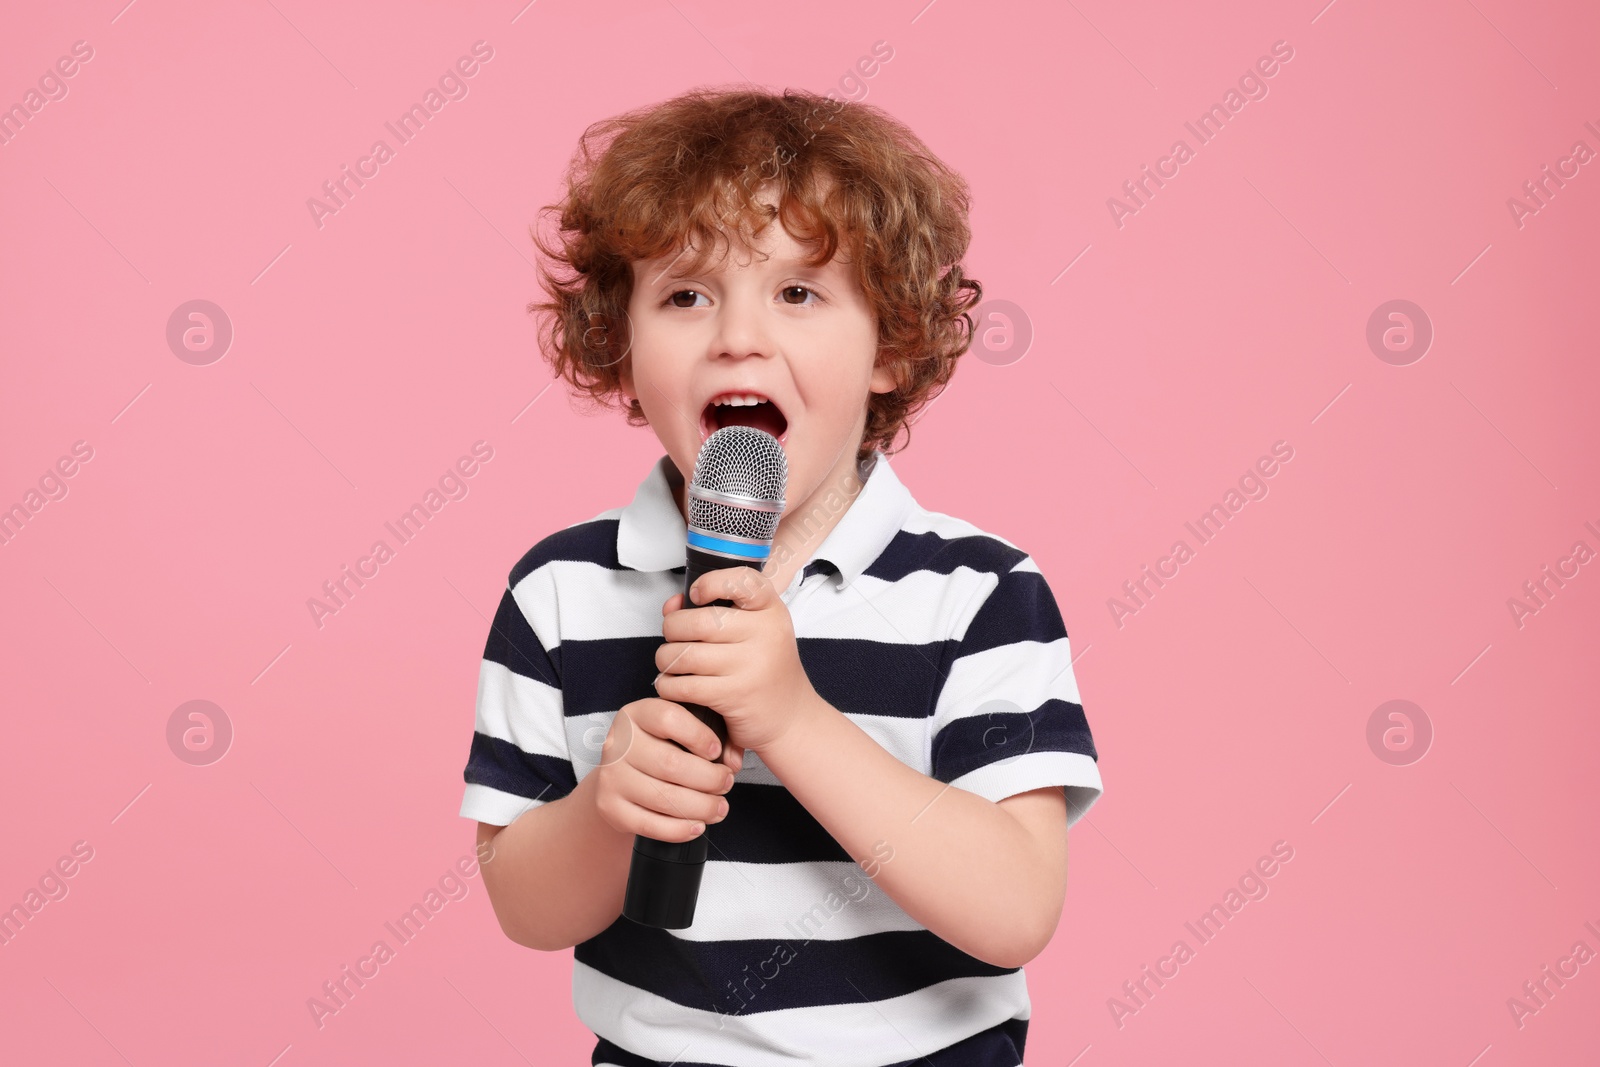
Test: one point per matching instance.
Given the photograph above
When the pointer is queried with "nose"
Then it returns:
(743, 328)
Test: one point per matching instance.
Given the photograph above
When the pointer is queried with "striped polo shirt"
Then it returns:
(942, 642)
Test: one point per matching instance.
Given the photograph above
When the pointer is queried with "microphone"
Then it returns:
(734, 504)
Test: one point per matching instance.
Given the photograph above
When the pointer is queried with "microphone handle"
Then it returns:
(664, 876)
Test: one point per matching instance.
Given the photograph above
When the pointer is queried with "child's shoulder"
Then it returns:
(592, 541)
(1002, 594)
(936, 541)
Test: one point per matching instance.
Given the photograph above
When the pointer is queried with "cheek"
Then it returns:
(830, 400)
(655, 366)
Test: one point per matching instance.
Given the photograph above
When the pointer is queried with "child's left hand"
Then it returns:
(741, 662)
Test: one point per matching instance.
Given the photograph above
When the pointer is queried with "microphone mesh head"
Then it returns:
(740, 461)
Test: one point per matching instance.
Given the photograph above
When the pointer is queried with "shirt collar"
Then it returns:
(651, 534)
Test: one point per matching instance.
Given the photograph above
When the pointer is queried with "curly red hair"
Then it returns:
(684, 174)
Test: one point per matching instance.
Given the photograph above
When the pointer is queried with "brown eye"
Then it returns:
(802, 290)
(676, 302)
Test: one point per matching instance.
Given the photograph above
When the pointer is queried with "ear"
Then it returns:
(884, 379)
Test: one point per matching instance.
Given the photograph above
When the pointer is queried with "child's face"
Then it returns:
(804, 338)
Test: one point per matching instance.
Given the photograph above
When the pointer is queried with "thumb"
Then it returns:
(673, 603)
(733, 757)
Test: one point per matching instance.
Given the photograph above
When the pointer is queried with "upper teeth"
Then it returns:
(739, 400)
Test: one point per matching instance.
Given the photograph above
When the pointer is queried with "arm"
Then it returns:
(988, 877)
(552, 873)
(557, 873)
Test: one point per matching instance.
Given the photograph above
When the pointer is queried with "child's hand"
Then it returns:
(646, 784)
(740, 661)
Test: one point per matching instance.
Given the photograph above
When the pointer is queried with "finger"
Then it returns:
(667, 762)
(689, 689)
(620, 738)
(710, 624)
(747, 587)
(733, 757)
(669, 720)
(694, 657)
(669, 660)
(636, 819)
(673, 603)
(672, 800)
(704, 658)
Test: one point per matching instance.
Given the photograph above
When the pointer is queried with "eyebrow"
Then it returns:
(779, 263)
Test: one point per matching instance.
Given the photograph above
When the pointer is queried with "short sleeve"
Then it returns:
(519, 757)
(1008, 716)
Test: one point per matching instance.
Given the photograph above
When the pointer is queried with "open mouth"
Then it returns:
(742, 409)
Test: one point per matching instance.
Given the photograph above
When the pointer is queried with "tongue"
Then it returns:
(761, 416)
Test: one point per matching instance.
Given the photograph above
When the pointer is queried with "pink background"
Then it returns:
(1229, 313)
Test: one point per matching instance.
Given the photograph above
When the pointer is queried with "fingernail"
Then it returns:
(722, 807)
(699, 828)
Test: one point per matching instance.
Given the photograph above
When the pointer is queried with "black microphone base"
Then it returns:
(662, 893)
(664, 879)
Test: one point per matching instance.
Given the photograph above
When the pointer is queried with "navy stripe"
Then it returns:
(766, 824)
(611, 672)
(910, 552)
(513, 644)
(1021, 608)
(773, 975)
(998, 1046)
(587, 542)
(857, 675)
(606, 1052)
(875, 677)
(501, 765)
(974, 741)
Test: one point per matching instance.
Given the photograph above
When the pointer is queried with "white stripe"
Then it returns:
(921, 608)
(753, 772)
(596, 602)
(586, 741)
(1025, 673)
(865, 1034)
(494, 807)
(522, 710)
(826, 900)
(904, 739)
(536, 596)
(1078, 773)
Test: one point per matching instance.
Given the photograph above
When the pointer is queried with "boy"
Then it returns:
(897, 683)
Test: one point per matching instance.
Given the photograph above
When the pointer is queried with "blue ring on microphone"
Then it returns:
(729, 548)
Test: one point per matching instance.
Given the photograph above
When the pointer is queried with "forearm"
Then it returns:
(962, 866)
(558, 872)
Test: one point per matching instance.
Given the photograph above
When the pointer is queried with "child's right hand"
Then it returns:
(647, 785)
